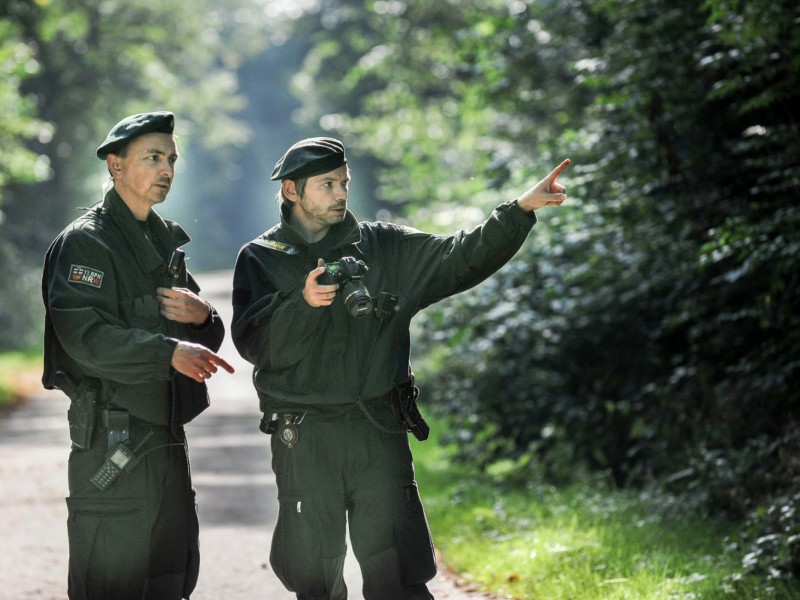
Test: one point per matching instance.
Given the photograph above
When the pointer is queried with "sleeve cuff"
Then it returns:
(212, 316)
(528, 213)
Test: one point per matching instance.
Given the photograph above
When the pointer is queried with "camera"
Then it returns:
(348, 273)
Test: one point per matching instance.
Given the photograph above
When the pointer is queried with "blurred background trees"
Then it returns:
(76, 68)
(649, 329)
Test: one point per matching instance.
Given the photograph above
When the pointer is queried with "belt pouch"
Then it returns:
(119, 426)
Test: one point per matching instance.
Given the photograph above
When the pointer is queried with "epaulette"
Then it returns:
(410, 231)
(275, 245)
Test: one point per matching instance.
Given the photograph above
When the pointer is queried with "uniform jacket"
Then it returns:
(322, 357)
(103, 320)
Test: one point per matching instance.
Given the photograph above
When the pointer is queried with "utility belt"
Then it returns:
(89, 414)
(90, 410)
(402, 399)
(120, 457)
(118, 423)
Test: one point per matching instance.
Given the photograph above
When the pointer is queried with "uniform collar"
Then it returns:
(167, 236)
(342, 234)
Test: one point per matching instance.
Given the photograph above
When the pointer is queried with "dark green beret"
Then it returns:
(309, 157)
(132, 127)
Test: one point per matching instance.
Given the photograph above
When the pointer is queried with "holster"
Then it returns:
(404, 405)
(83, 408)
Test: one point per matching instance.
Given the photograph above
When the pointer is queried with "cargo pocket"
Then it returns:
(413, 538)
(108, 546)
(296, 555)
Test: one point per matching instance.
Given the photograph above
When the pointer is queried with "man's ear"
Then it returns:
(289, 190)
(112, 160)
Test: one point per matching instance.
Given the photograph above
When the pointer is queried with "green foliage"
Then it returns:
(434, 92)
(772, 536)
(18, 163)
(586, 540)
(130, 56)
(19, 374)
(650, 332)
(17, 63)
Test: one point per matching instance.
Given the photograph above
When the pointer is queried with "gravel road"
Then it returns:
(236, 492)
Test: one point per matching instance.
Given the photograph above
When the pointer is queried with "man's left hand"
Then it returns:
(548, 192)
(182, 305)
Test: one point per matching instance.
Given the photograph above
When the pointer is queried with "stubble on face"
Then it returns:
(323, 203)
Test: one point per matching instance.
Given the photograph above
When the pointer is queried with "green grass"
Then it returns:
(19, 375)
(589, 541)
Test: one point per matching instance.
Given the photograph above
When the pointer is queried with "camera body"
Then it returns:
(349, 274)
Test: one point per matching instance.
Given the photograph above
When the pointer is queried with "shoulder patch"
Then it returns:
(85, 275)
(275, 245)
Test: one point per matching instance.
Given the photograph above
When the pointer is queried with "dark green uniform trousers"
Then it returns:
(343, 468)
(139, 538)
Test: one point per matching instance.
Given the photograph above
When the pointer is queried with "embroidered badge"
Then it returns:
(279, 246)
(86, 275)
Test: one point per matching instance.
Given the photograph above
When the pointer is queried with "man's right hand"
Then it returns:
(317, 294)
(197, 362)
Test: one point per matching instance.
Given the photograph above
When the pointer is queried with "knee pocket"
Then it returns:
(413, 538)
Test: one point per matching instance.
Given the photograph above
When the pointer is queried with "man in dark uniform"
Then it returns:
(329, 338)
(129, 340)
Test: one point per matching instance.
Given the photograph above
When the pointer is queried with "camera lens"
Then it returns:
(356, 298)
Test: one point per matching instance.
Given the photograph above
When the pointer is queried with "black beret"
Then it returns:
(309, 157)
(132, 127)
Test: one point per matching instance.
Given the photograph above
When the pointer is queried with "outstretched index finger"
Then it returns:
(218, 360)
(553, 175)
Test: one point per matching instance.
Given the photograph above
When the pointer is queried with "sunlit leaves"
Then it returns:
(18, 125)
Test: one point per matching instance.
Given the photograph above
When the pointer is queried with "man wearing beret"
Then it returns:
(329, 339)
(130, 341)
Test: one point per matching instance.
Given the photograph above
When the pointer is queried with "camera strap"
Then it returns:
(397, 429)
